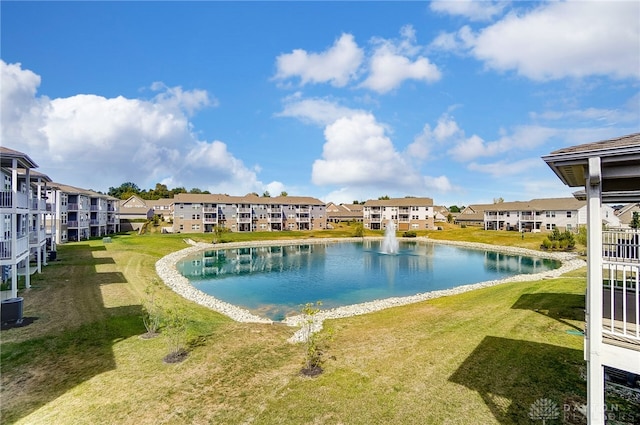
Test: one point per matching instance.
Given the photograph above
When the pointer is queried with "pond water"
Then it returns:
(276, 281)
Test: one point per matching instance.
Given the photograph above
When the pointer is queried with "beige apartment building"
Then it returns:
(200, 213)
(77, 214)
(543, 215)
(406, 213)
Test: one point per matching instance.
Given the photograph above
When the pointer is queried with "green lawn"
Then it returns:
(479, 357)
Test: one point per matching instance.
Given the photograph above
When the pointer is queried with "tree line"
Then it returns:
(161, 191)
(128, 189)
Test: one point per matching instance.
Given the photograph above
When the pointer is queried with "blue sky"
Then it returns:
(341, 101)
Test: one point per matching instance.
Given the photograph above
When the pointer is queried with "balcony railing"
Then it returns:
(8, 199)
(22, 247)
(621, 286)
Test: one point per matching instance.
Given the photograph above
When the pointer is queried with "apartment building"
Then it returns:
(250, 213)
(609, 172)
(344, 213)
(23, 208)
(406, 213)
(78, 214)
(543, 215)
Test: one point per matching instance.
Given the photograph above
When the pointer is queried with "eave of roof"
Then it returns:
(620, 166)
(7, 155)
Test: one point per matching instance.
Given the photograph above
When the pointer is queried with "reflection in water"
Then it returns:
(274, 281)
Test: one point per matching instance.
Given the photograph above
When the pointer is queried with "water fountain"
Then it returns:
(390, 242)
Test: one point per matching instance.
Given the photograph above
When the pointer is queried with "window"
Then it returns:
(551, 214)
(195, 216)
(195, 227)
(568, 214)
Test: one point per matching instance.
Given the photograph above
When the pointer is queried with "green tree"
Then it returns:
(358, 231)
(124, 191)
(454, 209)
(283, 193)
(218, 232)
(635, 220)
(384, 198)
(266, 194)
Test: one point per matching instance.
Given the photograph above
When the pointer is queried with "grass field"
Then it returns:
(481, 357)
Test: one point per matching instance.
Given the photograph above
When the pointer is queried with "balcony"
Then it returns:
(621, 288)
(38, 205)
(22, 248)
(244, 219)
(210, 218)
(10, 200)
(37, 236)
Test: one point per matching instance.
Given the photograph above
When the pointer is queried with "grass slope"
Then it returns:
(480, 357)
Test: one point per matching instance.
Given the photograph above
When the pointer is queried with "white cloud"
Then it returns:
(316, 111)
(565, 39)
(446, 129)
(393, 62)
(337, 65)
(21, 117)
(89, 141)
(471, 9)
(360, 159)
(628, 114)
(439, 184)
(357, 152)
(189, 101)
(506, 168)
(523, 138)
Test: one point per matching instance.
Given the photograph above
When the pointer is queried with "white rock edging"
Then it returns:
(166, 269)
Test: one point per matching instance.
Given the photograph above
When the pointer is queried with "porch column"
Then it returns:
(593, 336)
(14, 228)
(27, 277)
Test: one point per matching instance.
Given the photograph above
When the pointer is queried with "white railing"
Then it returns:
(9, 199)
(621, 284)
(210, 219)
(621, 245)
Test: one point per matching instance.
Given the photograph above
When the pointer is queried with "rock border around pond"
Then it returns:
(166, 268)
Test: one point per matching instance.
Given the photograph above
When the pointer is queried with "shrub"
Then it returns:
(315, 343)
(546, 244)
(151, 312)
(175, 325)
(358, 230)
(409, 234)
